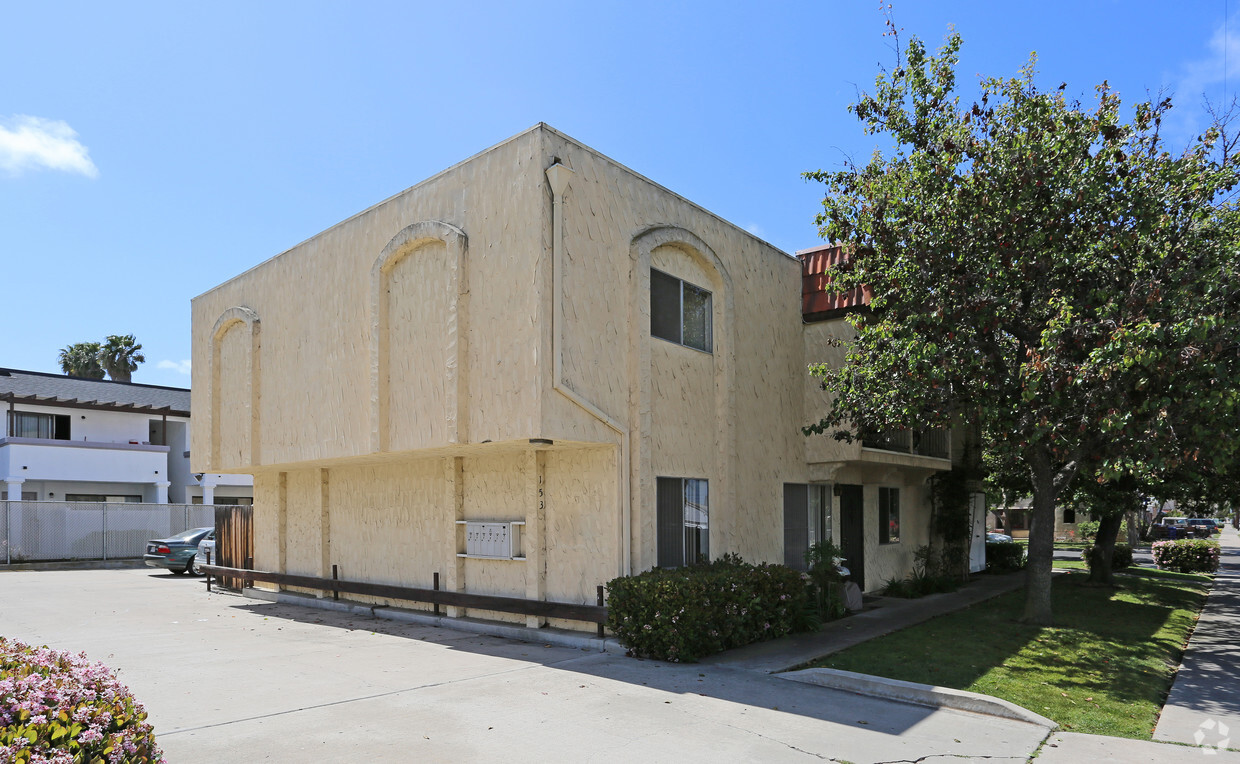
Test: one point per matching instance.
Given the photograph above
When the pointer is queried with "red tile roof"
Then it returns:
(819, 305)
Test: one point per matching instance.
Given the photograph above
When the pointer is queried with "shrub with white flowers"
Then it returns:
(684, 614)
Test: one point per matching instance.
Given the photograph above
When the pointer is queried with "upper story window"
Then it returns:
(25, 424)
(679, 311)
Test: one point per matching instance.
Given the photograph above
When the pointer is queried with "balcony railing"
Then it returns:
(934, 443)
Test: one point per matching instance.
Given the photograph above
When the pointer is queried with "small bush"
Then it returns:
(1004, 556)
(1120, 558)
(824, 559)
(923, 580)
(688, 613)
(60, 707)
(1187, 555)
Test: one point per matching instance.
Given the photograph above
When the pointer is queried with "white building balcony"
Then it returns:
(32, 459)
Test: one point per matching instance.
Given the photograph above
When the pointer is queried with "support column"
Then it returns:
(325, 529)
(454, 498)
(208, 489)
(534, 534)
(281, 526)
(14, 521)
(161, 492)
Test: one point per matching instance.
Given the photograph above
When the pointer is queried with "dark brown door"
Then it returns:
(852, 532)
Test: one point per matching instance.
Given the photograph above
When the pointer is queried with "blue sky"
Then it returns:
(149, 151)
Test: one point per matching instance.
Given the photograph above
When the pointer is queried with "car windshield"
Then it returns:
(189, 535)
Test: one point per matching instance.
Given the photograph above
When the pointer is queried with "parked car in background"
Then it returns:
(994, 537)
(1178, 528)
(1206, 522)
(176, 553)
(206, 553)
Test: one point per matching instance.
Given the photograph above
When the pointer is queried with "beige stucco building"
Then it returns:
(531, 373)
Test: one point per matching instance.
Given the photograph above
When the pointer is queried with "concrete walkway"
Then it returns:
(1204, 705)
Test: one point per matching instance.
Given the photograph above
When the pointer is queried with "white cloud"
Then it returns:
(1214, 76)
(181, 367)
(1220, 66)
(34, 143)
(754, 229)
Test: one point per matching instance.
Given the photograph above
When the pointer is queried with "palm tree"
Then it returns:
(119, 356)
(81, 359)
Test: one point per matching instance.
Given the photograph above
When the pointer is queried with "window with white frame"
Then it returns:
(807, 520)
(888, 515)
(679, 311)
(683, 508)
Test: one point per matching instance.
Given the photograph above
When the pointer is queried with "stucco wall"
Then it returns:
(433, 355)
(315, 307)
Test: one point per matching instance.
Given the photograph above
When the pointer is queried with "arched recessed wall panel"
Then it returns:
(418, 291)
(235, 392)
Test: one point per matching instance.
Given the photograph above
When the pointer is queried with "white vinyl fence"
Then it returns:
(83, 530)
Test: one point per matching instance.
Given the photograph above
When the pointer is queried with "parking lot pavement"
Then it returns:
(227, 678)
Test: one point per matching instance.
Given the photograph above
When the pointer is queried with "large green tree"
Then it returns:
(81, 359)
(119, 355)
(1042, 267)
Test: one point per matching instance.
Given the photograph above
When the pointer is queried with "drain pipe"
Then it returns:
(559, 176)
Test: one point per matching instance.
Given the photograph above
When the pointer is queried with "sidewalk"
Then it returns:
(883, 616)
(1205, 698)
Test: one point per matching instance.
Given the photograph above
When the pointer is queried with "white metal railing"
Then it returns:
(82, 530)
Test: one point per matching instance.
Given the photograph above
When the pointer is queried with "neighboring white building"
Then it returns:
(71, 439)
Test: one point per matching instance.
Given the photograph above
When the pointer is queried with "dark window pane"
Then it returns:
(697, 525)
(664, 306)
(796, 525)
(697, 318)
(888, 515)
(670, 509)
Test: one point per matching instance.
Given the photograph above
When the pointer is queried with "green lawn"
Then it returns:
(1104, 668)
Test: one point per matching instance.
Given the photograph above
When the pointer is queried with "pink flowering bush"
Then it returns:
(1187, 555)
(59, 707)
(684, 614)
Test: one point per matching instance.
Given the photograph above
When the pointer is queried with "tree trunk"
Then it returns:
(1103, 550)
(1041, 544)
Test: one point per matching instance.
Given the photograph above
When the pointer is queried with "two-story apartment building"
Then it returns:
(533, 372)
(72, 439)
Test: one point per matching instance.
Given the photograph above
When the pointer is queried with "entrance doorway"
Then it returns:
(852, 531)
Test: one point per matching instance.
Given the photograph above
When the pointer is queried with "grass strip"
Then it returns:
(1105, 668)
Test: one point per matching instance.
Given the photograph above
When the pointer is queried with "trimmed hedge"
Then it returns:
(60, 707)
(1121, 558)
(1187, 555)
(684, 614)
(1004, 556)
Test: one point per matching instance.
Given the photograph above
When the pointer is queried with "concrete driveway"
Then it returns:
(228, 678)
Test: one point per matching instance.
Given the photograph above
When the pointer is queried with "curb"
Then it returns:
(545, 636)
(918, 694)
(126, 563)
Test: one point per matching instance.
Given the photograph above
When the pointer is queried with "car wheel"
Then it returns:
(194, 569)
(189, 566)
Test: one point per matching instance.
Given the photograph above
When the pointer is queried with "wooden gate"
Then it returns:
(234, 541)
